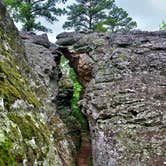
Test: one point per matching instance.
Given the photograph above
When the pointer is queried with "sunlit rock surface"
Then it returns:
(124, 79)
(30, 132)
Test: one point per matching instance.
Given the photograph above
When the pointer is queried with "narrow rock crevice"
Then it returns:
(70, 92)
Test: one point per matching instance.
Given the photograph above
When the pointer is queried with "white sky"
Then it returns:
(148, 14)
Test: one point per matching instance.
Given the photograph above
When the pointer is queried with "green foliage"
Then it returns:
(99, 27)
(76, 112)
(77, 88)
(90, 163)
(27, 11)
(6, 156)
(163, 26)
(97, 15)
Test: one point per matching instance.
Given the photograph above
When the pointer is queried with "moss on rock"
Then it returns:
(26, 139)
(27, 136)
(7, 158)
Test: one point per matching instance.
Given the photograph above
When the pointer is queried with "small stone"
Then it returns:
(2, 107)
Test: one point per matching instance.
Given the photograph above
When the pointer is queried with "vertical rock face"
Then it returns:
(30, 133)
(41, 56)
(124, 79)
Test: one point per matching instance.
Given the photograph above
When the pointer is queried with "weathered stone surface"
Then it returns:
(124, 79)
(43, 61)
(36, 39)
(30, 133)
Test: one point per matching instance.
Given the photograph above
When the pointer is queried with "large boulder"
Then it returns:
(124, 80)
(30, 131)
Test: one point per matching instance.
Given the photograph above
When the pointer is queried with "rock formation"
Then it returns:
(30, 131)
(124, 80)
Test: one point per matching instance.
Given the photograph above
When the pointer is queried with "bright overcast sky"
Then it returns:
(148, 14)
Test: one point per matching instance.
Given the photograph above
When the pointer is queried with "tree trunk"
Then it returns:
(90, 15)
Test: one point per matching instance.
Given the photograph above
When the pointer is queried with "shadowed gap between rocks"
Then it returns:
(70, 92)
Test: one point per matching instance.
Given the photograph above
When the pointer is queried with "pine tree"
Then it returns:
(27, 12)
(97, 15)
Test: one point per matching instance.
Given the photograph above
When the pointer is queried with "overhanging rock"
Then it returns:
(124, 79)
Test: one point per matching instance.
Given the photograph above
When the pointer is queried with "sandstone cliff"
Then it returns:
(124, 80)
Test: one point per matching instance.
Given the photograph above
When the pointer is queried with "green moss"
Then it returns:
(13, 85)
(31, 137)
(6, 156)
(28, 128)
(31, 98)
(123, 56)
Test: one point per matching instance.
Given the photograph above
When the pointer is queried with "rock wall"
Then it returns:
(30, 131)
(124, 79)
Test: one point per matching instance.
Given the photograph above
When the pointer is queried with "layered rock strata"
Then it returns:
(124, 80)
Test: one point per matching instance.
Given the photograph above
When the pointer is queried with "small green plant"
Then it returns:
(77, 88)
(6, 157)
(163, 26)
(76, 112)
(90, 163)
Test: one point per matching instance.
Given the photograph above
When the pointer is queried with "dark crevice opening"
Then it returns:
(70, 92)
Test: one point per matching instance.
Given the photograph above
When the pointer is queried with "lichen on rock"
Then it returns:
(30, 132)
(123, 76)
